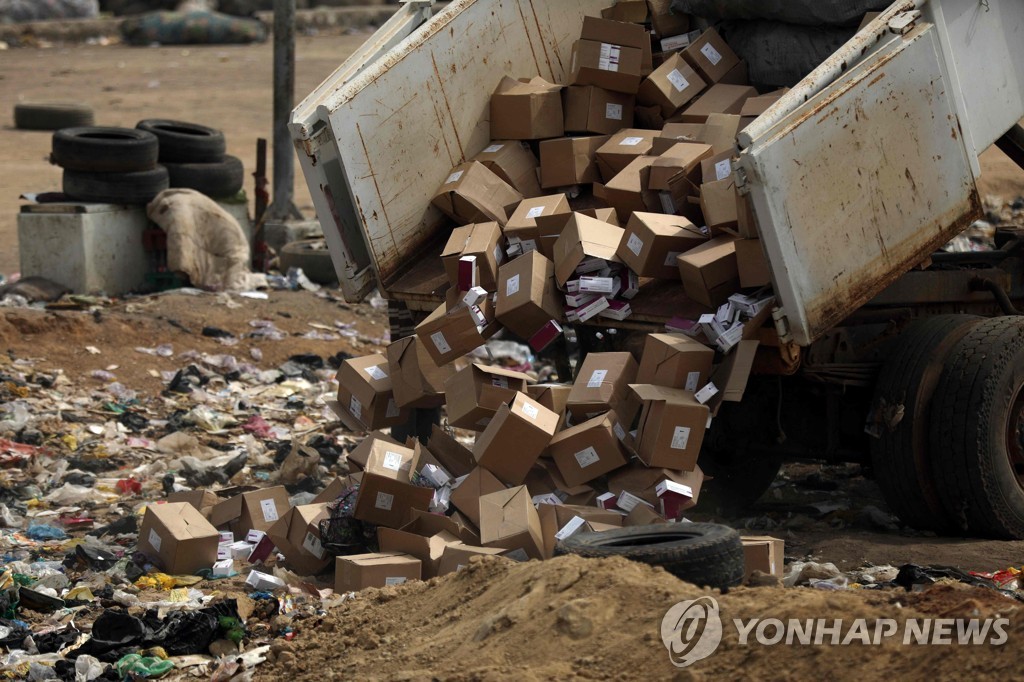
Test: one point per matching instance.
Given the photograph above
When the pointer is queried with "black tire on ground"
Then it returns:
(705, 554)
(977, 434)
(104, 150)
(900, 456)
(115, 188)
(52, 116)
(182, 142)
(215, 180)
(316, 263)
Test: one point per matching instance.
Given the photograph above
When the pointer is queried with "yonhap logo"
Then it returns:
(691, 631)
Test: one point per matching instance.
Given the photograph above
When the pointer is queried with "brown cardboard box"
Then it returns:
(732, 374)
(522, 227)
(570, 161)
(482, 240)
(634, 11)
(643, 515)
(648, 118)
(682, 132)
(621, 149)
(720, 132)
(671, 86)
(513, 162)
(552, 396)
(717, 167)
(360, 571)
(643, 481)
(379, 441)
(718, 202)
(178, 538)
(365, 392)
(752, 264)
(472, 193)
(590, 109)
(709, 272)
(584, 236)
(671, 427)
(679, 162)
(451, 334)
(386, 495)
(509, 520)
(466, 495)
(477, 392)
(746, 221)
(526, 110)
(601, 384)
(763, 553)
(411, 539)
(334, 490)
(605, 215)
(416, 380)
(202, 500)
(457, 556)
(452, 251)
(254, 510)
(586, 451)
(664, 22)
(527, 296)
(755, 106)
(711, 56)
(610, 55)
(628, 191)
(515, 438)
(555, 517)
(452, 455)
(652, 241)
(738, 75)
(297, 536)
(429, 524)
(675, 361)
(718, 99)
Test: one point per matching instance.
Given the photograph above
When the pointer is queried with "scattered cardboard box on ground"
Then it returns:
(178, 538)
(385, 569)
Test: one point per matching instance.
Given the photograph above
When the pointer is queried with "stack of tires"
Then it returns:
(109, 165)
(194, 157)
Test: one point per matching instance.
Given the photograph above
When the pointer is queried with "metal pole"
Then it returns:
(282, 205)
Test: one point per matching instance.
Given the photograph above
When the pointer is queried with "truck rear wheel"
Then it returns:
(977, 433)
(902, 401)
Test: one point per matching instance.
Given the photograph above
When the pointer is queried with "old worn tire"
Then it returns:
(216, 180)
(183, 142)
(104, 150)
(316, 263)
(900, 456)
(115, 188)
(52, 116)
(705, 554)
(978, 428)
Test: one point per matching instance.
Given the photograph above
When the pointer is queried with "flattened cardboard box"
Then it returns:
(365, 392)
(522, 227)
(526, 110)
(416, 380)
(448, 335)
(671, 427)
(457, 556)
(590, 109)
(178, 538)
(527, 296)
(675, 361)
(361, 571)
(255, 510)
(628, 191)
(509, 520)
(621, 149)
(515, 438)
(466, 496)
(584, 236)
(586, 451)
(709, 272)
(202, 500)
(711, 56)
(473, 194)
(671, 86)
(601, 384)
(763, 553)
(652, 241)
(297, 535)
(513, 162)
(407, 540)
(476, 392)
(570, 161)
(718, 99)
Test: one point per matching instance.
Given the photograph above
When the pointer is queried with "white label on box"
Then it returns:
(154, 539)
(723, 169)
(587, 457)
(392, 410)
(705, 394)
(398, 580)
(670, 259)
(620, 432)
(499, 382)
(680, 438)
(530, 411)
(355, 407)
(609, 60)
(313, 545)
(269, 508)
(454, 177)
(711, 53)
(571, 528)
(528, 245)
(440, 342)
(535, 211)
(691, 381)
(392, 460)
(376, 373)
(517, 555)
(597, 378)
(613, 111)
(631, 141)
(635, 244)
(384, 501)
(678, 80)
(512, 286)
(493, 148)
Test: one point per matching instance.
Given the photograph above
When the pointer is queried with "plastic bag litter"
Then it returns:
(803, 572)
(88, 668)
(134, 665)
(43, 532)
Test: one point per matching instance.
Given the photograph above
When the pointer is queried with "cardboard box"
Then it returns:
(621, 149)
(634, 11)
(457, 556)
(466, 495)
(671, 427)
(570, 161)
(710, 272)
(509, 520)
(582, 237)
(586, 451)
(448, 335)
(556, 517)
(297, 536)
(482, 240)
(526, 110)
(477, 392)
(738, 75)
(746, 221)
(610, 55)
(628, 191)
(652, 241)
(664, 22)
(732, 374)
(753, 265)
(710, 56)
(202, 500)
(253, 510)
(472, 193)
(590, 109)
(679, 163)
(671, 86)
(386, 496)
(552, 396)
(763, 553)
(178, 538)
(642, 482)
(718, 99)
(417, 541)
(416, 380)
(718, 202)
(675, 361)
(365, 392)
(720, 132)
(755, 106)
(522, 227)
(643, 515)
(378, 440)
(527, 296)
(681, 132)
(513, 162)
(515, 438)
(602, 383)
(449, 453)
(360, 571)
(716, 167)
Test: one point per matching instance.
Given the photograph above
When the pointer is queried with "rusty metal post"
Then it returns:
(283, 206)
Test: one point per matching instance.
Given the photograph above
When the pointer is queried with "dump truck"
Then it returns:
(885, 350)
